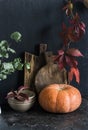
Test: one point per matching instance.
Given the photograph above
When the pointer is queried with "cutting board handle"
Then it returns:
(49, 57)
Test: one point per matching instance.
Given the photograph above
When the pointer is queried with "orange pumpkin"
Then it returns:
(60, 98)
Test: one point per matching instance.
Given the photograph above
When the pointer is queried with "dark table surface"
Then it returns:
(37, 119)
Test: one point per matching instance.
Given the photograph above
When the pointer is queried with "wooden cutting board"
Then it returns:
(36, 62)
(49, 74)
(29, 74)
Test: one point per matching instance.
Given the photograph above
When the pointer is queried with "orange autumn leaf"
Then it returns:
(74, 72)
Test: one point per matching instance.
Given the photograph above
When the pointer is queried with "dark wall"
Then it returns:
(38, 21)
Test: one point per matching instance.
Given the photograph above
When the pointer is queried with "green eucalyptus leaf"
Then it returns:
(20, 66)
(11, 50)
(17, 64)
(8, 66)
(3, 48)
(27, 65)
(16, 36)
(1, 56)
(4, 54)
(4, 43)
(3, 76)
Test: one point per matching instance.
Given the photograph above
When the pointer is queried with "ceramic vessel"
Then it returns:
(25, 105)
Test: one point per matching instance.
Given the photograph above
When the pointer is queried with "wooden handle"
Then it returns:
(49, 57)
(42, 48)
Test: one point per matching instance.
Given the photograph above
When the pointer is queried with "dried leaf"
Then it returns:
(64, 34)
(74, 72)
(56, 58)
(74, 52)
(70, 61)
(82, 26)
(10, 95)
(60, 60)
(60, 52)
(19, 95)
(60, 56)
(21, 88)
(22, 97)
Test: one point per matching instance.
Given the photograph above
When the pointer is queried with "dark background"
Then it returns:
(39, 21)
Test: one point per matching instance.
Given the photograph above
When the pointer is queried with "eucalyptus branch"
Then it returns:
(7, 68)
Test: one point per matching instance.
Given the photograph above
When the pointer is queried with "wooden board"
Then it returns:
(36, 62)
(49, 74)
(34, 67)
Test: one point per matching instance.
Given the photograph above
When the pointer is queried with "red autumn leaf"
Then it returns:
(59, 56)
(74, 72)
(21, 88)
(75, 20)
(19, 98)
(74, 33)
(77, 28)
(74, 52)
(64, 34)
(22, 97)
(71, 34)
(77, 23)
(70, 61)
(19, 94)
(82, 26)
(70, 76)
(60, 52)
(60, 61)
(10, 95)
(56, 58)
